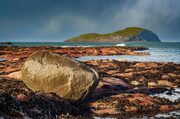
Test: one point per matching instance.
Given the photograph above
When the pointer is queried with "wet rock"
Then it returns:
(166, 108)
(129, 103)
(17, 52)
(18, 101)
(47, 72)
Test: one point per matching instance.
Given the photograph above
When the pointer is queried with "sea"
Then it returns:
(159, 51)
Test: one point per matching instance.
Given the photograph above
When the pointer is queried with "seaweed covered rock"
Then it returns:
(17, 101)
(47, 72)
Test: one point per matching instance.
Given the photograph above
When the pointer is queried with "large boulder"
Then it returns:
(48, 72)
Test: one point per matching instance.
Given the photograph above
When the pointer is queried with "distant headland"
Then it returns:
(130, 34)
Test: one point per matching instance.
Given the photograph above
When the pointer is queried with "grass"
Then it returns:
(130, 31)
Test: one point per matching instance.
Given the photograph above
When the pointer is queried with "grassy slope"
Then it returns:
(130, 31)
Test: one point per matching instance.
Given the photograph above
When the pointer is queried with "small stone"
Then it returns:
(165, 77)
(152, 84)
(22, 97)
(135, 83)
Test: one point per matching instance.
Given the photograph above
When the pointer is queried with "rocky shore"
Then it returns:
(125, 89)
(17, 55)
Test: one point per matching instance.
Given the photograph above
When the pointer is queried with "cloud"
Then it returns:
(66, 19)
(54, 24)
(160, 16)
(73, 21)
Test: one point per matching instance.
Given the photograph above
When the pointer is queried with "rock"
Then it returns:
(152, 84)
(47, 72)
(165, 76)
(22, 97)
(166, 108)
(131, 109)
(14, 75)
(129, 104)
(17, 101)
(136, 83)
(166, 83)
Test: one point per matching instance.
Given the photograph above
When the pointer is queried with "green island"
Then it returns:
(126, 35)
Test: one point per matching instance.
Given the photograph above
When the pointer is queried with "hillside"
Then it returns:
(126, 35)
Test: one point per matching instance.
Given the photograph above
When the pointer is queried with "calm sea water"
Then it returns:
(160, 52)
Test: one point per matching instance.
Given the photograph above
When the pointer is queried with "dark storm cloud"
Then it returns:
(57, 20)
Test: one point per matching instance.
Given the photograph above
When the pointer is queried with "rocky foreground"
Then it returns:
(124, 90)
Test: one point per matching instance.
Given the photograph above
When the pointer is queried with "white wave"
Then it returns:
(75, 46)
(174, 96)
(121, 44)
(173, 114)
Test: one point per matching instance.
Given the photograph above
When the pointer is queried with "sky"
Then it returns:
(59, 20)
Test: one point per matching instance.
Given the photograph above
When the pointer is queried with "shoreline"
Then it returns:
(125, 87)
(72, 52)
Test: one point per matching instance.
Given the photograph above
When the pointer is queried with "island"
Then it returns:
(130, 34)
